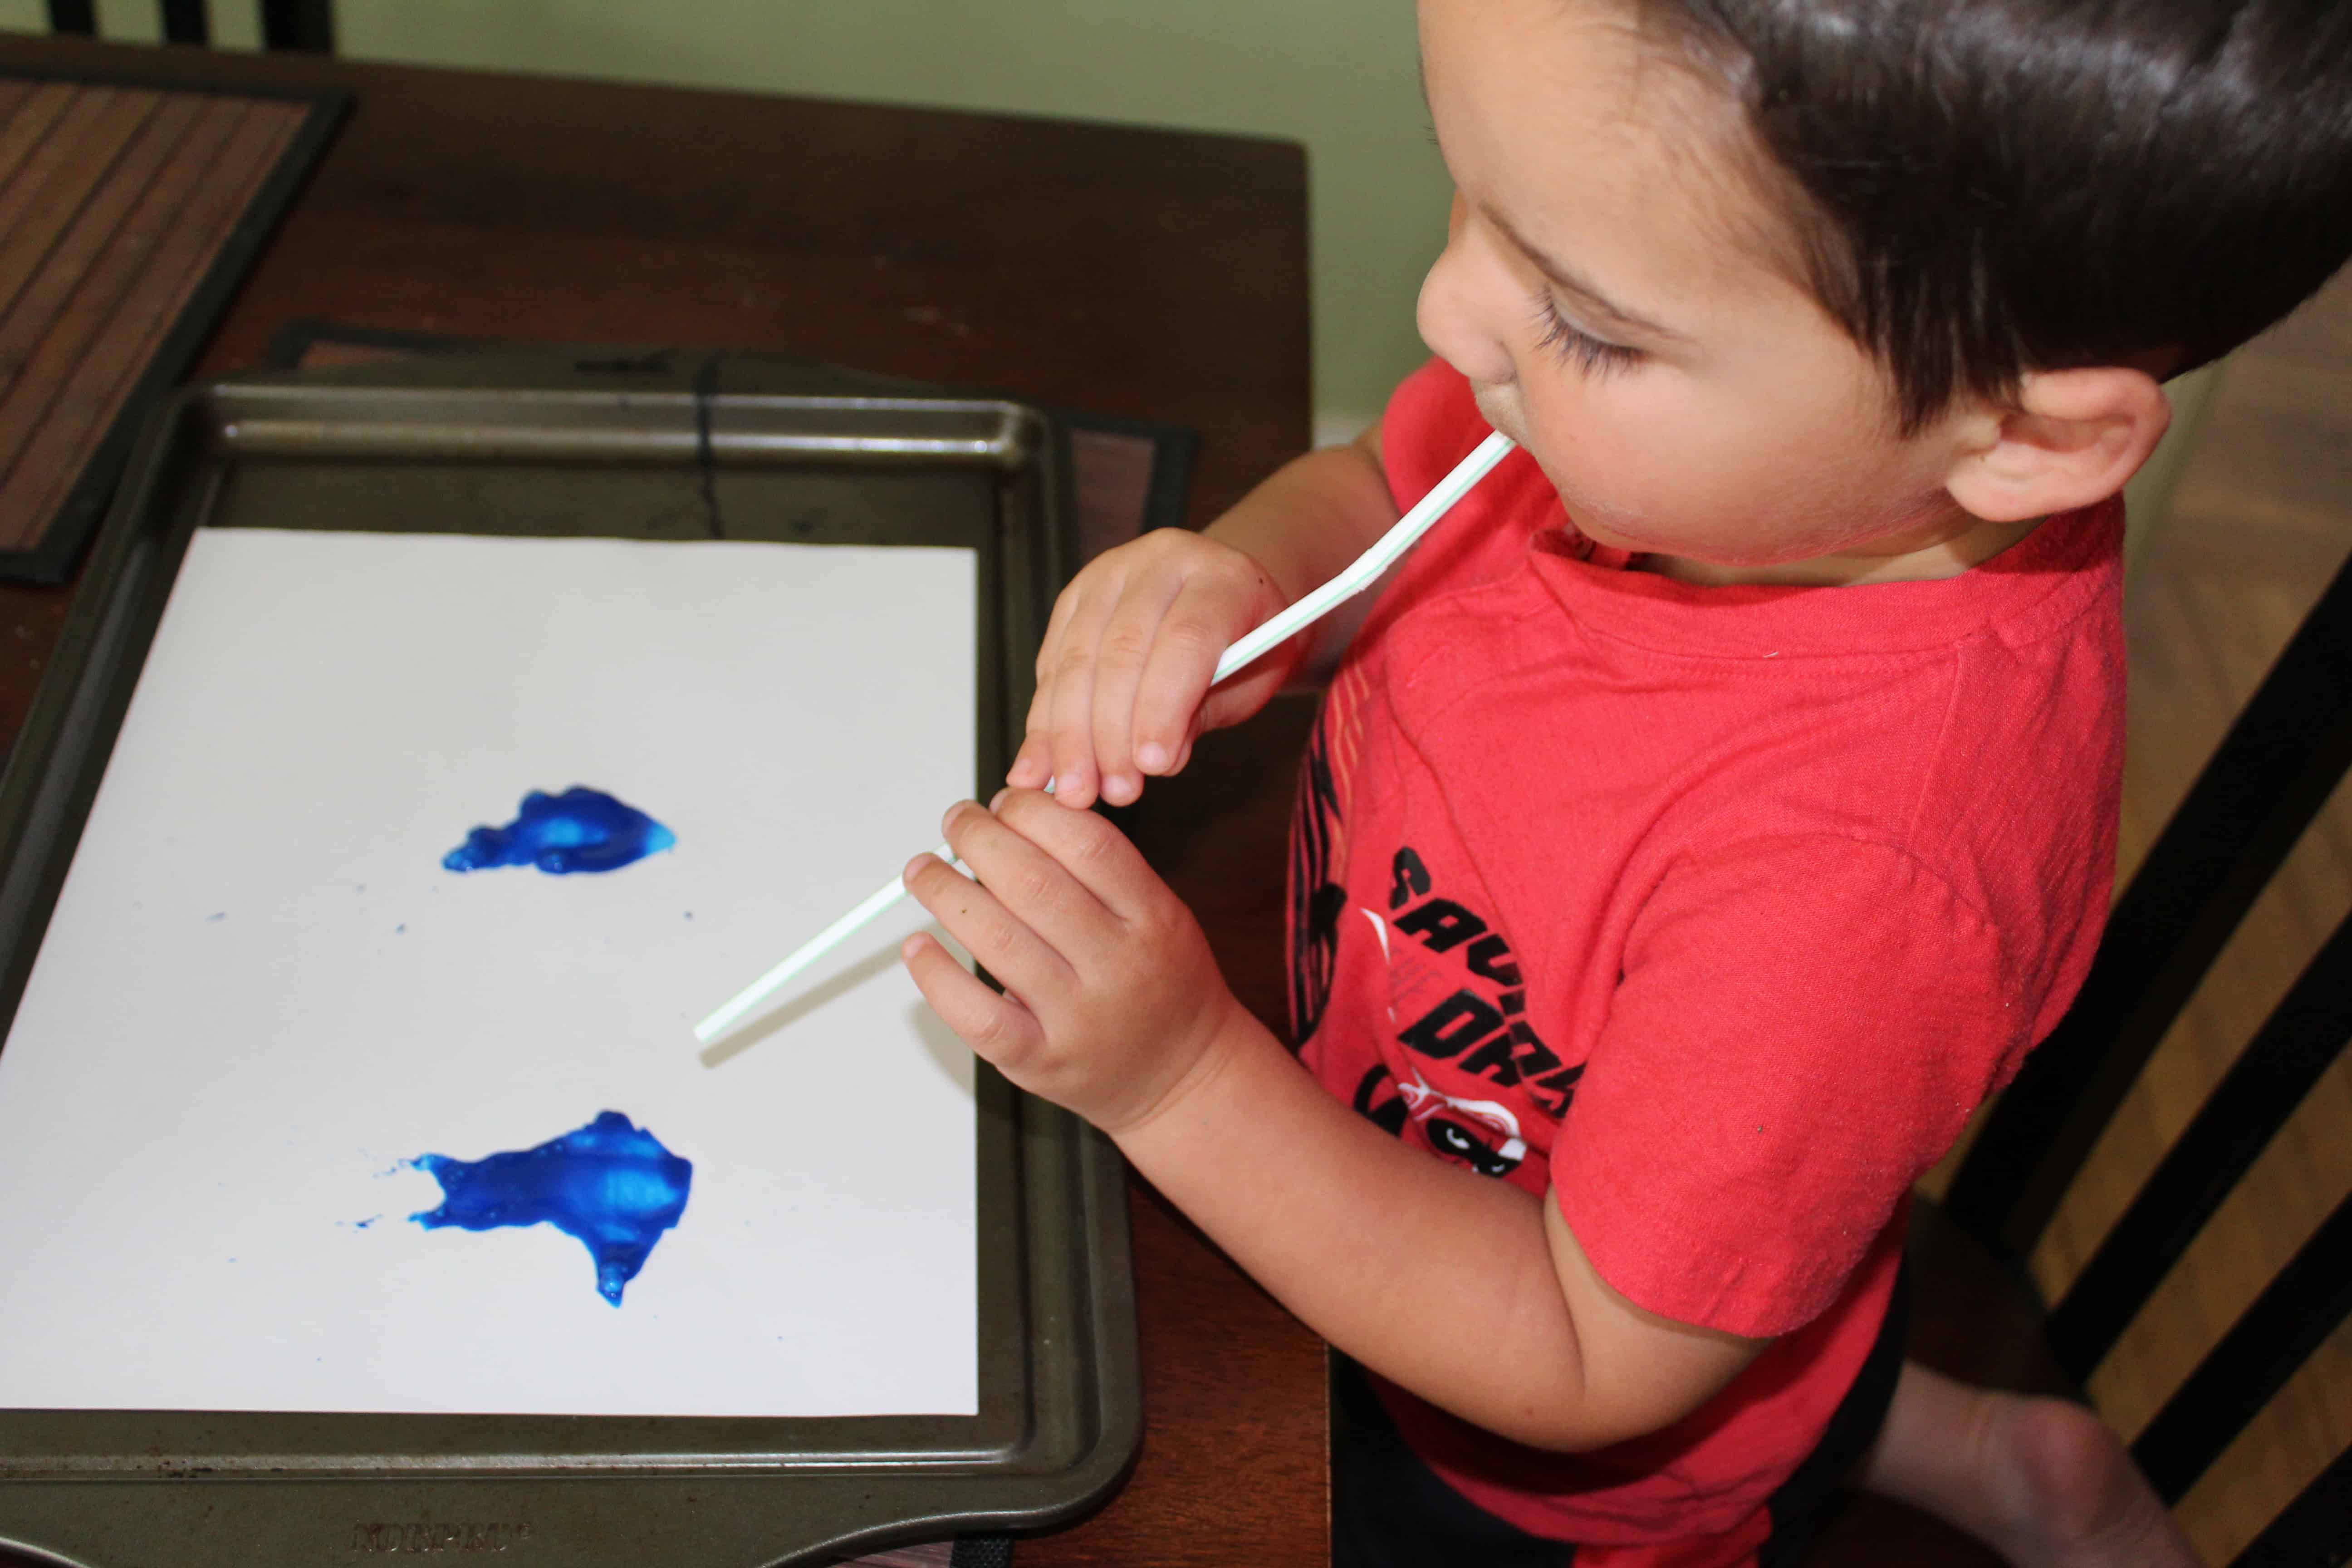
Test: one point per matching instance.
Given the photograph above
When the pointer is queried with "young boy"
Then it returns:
(1720, 802)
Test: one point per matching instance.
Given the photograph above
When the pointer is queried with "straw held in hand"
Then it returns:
(1359, 575)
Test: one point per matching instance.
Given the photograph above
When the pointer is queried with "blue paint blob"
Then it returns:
(579, 830)
(609, 1184)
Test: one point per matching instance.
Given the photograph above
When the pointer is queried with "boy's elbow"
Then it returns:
(1624, 1372)
(1611, 1389)
(1571, 1425)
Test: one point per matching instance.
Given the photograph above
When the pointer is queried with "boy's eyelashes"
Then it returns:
(1596, 356)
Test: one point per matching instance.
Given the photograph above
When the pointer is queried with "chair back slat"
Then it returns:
(2264, 1348)
(186, 22)
(2311, 1531)
(285, 24)
(299, 24)
(2298, 1043)
(2263, 785)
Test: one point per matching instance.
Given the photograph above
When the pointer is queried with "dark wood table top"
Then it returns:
(1143, 273)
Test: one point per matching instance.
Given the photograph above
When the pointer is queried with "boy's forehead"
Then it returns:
(1584, 135)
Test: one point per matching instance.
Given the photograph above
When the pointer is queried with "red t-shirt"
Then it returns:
(1715, 909)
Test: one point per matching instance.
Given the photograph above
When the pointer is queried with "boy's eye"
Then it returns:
(1594, 355)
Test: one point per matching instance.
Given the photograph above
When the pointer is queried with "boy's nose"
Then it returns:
(1461, 313)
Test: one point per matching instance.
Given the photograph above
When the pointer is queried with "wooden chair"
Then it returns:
(2271, 775)
(285, 24)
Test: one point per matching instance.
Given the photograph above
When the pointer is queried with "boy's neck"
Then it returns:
(1942, 550)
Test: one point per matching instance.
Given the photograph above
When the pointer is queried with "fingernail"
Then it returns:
(1153, 755)
(998, 799)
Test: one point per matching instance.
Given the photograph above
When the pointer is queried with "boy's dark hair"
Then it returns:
(1984, 187)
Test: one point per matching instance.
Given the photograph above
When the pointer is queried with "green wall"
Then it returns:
(1336, 75)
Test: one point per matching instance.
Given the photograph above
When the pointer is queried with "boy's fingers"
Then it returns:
(1070, 723)
(1068, 665)
(1129, 642)
(1033, 888)
(1066, 607)
(1004, 944)
(1094, 855)
(995, 1026)
(1034, 764)
(1191, 638)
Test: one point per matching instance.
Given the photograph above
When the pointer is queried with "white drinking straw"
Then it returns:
(1360, 574)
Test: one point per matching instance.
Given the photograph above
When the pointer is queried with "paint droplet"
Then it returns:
(609, 1184)
(581, 829)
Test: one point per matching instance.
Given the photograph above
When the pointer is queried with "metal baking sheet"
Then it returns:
(666, 448)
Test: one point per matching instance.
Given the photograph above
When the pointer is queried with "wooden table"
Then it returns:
(1142, 273)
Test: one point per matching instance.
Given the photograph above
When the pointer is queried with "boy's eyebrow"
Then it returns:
(1586, 294)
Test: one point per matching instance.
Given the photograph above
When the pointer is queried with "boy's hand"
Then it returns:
(1112, 1003)
(1127, 660)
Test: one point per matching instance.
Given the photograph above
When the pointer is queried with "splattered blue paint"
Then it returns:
(609, 1184)
(579, 830)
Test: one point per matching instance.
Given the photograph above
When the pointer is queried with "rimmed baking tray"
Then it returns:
(662, 449)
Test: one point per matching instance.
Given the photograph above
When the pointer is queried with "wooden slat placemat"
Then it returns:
(127, 215)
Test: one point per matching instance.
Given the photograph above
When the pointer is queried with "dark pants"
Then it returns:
(1391, 1511)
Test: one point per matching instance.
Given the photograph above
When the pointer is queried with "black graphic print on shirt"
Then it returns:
(1315, 897)
(1455, 993)
(1471, 1009)
(1471, 1066)
(1482, 1135)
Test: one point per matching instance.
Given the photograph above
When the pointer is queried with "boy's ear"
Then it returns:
(2070, 438)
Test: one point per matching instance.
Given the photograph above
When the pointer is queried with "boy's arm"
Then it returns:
(1465, 1289)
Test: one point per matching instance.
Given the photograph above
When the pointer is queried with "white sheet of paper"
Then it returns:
(260, 991)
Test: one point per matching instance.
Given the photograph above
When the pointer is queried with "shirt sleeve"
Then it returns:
(1802, 1026)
